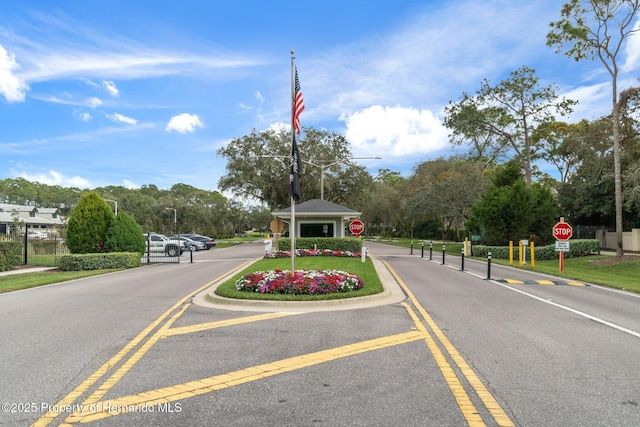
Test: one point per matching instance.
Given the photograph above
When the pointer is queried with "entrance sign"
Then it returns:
(562, 232)
(356, 227)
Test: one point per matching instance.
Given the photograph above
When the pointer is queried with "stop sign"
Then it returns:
(356, 227)
(562, 231)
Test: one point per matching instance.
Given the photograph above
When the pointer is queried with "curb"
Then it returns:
(392, 294)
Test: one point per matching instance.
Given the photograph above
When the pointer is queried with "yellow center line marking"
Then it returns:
(469, 411)
(76, 393)
(111, 407)
(492, 405)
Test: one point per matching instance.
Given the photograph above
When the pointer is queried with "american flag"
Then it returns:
(298, 104)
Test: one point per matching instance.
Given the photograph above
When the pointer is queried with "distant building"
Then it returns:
(36, 220)
(318, 218)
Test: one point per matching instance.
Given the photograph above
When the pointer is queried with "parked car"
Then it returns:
(190, 244)
(161, 243)
(208, 241)
(37, 235)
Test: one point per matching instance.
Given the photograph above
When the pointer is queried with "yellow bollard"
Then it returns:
(533, 257)
(510, 252)
(520, 251)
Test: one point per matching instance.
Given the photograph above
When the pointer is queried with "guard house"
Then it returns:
(318, 218)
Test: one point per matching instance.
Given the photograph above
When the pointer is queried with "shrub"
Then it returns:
(320, 243)
(104, 261)
(578, 248)
(10, 254)
(124, 235)
(88, 224)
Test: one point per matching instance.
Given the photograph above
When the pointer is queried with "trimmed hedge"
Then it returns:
(103, 261)
(577, 248)
(320, 243)
(10, 254)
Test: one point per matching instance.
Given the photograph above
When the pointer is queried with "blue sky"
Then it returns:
(121, 92)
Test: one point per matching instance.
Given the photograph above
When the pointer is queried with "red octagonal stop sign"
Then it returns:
(356, 227)
(562, 231)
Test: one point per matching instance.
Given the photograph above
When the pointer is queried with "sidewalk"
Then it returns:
(27, 270)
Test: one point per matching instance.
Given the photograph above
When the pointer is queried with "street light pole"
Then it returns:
(175, 218)
(115, 203)
(323, 166)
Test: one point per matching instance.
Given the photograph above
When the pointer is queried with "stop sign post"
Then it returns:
(562, 232)
(356, 227)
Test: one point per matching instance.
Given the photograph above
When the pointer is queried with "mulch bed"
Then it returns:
(614, 260)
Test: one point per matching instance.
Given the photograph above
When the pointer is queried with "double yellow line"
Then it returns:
(468, 409)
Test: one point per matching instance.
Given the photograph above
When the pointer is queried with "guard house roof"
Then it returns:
(318, 208)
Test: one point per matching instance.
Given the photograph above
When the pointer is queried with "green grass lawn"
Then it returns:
(364, 270)
(14, 282)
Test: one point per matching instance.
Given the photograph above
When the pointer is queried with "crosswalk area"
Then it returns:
(542, 282)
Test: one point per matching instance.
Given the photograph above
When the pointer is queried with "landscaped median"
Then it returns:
(380, 287)
(319, 275)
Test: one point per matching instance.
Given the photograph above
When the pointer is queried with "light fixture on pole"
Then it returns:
(324, 166)
(115, 203)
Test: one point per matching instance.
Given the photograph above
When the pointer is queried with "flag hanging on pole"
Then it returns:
(298, 104)
(296, 167)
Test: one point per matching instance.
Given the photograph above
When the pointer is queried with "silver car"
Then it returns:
(190, 244)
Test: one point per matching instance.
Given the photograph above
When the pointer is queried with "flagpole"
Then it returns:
(292, 226)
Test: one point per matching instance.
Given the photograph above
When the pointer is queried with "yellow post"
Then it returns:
(466, 246)
(533, 257)
(520, 254)
(510, 252)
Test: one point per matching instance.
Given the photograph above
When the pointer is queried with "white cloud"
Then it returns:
(129, 184)
(184, 123)
(56, 178)
(85, 117)
(110, 87)
(94, 102)
(119, 118)
(632, 51)
(12, 87)
(394, 131)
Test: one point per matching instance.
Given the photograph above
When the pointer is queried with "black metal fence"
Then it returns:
(39, 249)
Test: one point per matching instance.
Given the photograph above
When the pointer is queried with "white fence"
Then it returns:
(630, 240)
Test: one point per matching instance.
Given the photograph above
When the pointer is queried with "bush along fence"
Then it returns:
(344, 244)
(577, 248)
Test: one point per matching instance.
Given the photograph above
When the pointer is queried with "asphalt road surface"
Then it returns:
(132, 348)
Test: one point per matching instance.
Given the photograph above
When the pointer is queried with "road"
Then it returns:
(131, 348)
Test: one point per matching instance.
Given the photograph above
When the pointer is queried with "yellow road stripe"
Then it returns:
(222, 323)
(492, 405)
(120, 405)
(469, 411)
(76, 393)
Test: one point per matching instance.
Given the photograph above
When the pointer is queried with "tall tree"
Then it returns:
(445, 189)
(599, 28)
(476, 126)
(508, 113)
(258, 167)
